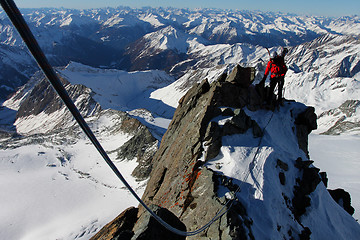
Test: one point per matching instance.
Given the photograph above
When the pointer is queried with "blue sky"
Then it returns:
(309, 7)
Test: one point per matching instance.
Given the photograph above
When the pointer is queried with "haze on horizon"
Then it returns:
(328, 8)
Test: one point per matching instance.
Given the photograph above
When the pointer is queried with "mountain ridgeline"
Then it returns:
(222, 150)
(155, 38)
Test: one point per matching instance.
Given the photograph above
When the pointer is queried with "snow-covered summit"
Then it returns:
(168, 38)
(217, 25)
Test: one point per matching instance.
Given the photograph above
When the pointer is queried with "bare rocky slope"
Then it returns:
(187, 192)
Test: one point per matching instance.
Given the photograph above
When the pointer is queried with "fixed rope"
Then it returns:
(20, 24)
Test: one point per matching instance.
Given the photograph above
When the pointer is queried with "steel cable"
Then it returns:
(20, 24)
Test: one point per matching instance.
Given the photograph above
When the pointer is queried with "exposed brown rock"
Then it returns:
(241, 76)
(120, 227)
(176, 181)
(142, 146)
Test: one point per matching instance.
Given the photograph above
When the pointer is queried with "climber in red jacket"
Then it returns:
(277, 67)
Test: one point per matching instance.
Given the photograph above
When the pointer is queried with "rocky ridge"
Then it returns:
(184, 188)
(345, 118)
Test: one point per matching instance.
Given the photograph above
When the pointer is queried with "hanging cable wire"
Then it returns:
(18, 21)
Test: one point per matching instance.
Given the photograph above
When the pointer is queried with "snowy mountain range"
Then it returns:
(124, 64)
(156, 38)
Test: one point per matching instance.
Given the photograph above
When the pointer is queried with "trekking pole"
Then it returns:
(268, 52)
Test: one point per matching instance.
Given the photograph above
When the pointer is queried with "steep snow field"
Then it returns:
(126, 91)
(253, 164)
(339, 157)
(58, 187)
(116, 89)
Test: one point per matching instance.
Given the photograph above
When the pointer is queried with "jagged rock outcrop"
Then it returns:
(142, 146)
(43, 99)
(148, 228)
(340, 196)
(181, 183)
(119, 228)
(306, 184)
(346, 118)
(176, 161)
(38, 102)
(182, 146)
(305, 123)
(343, 199)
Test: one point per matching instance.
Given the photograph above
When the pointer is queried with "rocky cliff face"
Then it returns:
(187, 185)
(40, 110)
(191, 192)
(344, 118)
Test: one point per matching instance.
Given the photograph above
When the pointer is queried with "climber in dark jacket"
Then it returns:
(277, 67)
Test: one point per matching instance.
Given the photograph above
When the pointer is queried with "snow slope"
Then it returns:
(111, 88)
(56, 186)
(126, 91)
(116, 89)
(323, 72)
(253, 166)
(338, 157)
